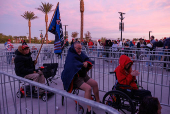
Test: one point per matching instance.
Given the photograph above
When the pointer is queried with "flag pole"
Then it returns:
(46, 32)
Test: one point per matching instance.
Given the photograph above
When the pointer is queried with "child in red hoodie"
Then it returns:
(127, 76)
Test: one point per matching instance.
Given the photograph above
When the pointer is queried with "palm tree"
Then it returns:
(87, 36)
(74, 34)
(46, 8)
(82, 17)
(29, 16)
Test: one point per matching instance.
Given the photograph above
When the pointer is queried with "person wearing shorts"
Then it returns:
(76, 66)
(78, 81)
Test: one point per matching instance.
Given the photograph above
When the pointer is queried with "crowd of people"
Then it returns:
(149, 47)
(142, 43)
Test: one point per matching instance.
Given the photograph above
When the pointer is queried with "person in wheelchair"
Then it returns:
(127, 76)
(25, 66)
(75, 71)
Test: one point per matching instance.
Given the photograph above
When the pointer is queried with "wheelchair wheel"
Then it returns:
(44, 98)
(80, 110)
(19, 94)
(93, 97)
(119, 101)
(75, 91)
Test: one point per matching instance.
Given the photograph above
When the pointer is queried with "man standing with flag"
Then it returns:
(56, 29)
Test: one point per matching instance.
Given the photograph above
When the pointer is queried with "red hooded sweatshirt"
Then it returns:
(123, 77)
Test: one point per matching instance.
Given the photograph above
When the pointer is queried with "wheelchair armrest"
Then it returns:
(121, 85)
(140, 87)
(112, 72)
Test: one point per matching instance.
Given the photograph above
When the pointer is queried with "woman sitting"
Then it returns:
(127, 76)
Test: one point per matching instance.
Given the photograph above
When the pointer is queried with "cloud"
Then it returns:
(101, 17)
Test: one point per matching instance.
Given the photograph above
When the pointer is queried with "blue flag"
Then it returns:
(56, 29)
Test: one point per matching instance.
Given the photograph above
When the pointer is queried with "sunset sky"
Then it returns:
(101, 17)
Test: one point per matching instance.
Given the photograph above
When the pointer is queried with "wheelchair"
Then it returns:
(49, 71)
(122, 99)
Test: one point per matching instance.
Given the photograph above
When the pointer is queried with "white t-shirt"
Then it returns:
(149, 45)
(114, 47)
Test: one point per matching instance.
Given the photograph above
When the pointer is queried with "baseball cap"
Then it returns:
(24, 46)
(148, 41)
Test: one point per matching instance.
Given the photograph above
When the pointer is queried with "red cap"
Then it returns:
(148, 41)
(99, 40)
(24, 46)
(9, 39)
(42, 67)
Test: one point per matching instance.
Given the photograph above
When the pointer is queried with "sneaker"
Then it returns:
(87, 112)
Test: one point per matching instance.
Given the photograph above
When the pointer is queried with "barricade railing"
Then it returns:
(106, 51)
(152, 72)
(48, 56)
(110, 53)
(94, 51)
(157, 57)
(10, 104)
(123, 47)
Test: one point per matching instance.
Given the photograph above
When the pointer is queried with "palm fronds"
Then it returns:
(45, 7)
(29, 15)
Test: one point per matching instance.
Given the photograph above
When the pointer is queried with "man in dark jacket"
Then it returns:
(25, 67)
(141, 44)
(75, 71)
(107, 47)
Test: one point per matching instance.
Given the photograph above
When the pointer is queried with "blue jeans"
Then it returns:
(9, 57)
(98, 52)
(149, 63)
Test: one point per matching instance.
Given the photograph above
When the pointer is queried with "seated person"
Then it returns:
(75, 71)
(127, 76)
(150, 105)
(25, 67)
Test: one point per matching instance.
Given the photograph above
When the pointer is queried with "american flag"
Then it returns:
(56, 29)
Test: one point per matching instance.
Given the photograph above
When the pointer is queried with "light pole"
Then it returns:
(65, 31)
(121, 24)
(149, 34)
(41, 35)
